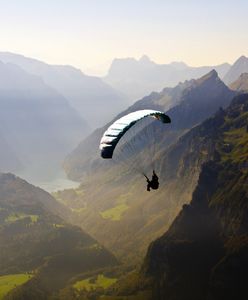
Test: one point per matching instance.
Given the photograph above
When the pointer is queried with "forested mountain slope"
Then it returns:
(35, 242)
(204, 253)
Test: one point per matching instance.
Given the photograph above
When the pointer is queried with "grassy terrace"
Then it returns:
(9, 282)
(19, 216)
(94, 282)
(238, 139)
(114, 213)
(78, 210)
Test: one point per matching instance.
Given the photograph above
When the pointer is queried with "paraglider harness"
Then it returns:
(154, 184)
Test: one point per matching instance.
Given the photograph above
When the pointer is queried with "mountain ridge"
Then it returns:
(83, 92)
(136, 78)
(37, 123)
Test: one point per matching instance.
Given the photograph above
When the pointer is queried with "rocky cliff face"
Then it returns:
(204, 253)
(241, 84)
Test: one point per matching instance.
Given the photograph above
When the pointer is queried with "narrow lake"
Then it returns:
(49, 182)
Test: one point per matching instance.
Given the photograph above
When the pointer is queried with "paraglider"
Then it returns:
(154, 184)
(122, 126)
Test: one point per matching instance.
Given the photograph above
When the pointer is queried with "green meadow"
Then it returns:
(9, 282)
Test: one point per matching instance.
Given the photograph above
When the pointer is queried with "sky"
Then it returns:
(89, 34)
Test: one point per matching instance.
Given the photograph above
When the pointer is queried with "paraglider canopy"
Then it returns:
(114, 133)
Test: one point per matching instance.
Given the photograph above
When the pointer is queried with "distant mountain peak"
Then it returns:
(211, 76)
(179, 65)
(241, 62)
(241, 59)
(145, 59)
(240, 66)
(5, 177)
(212, 73)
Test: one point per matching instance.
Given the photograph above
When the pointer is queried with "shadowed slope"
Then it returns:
(35, 239)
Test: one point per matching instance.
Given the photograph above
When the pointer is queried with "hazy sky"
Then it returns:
(90, 33)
